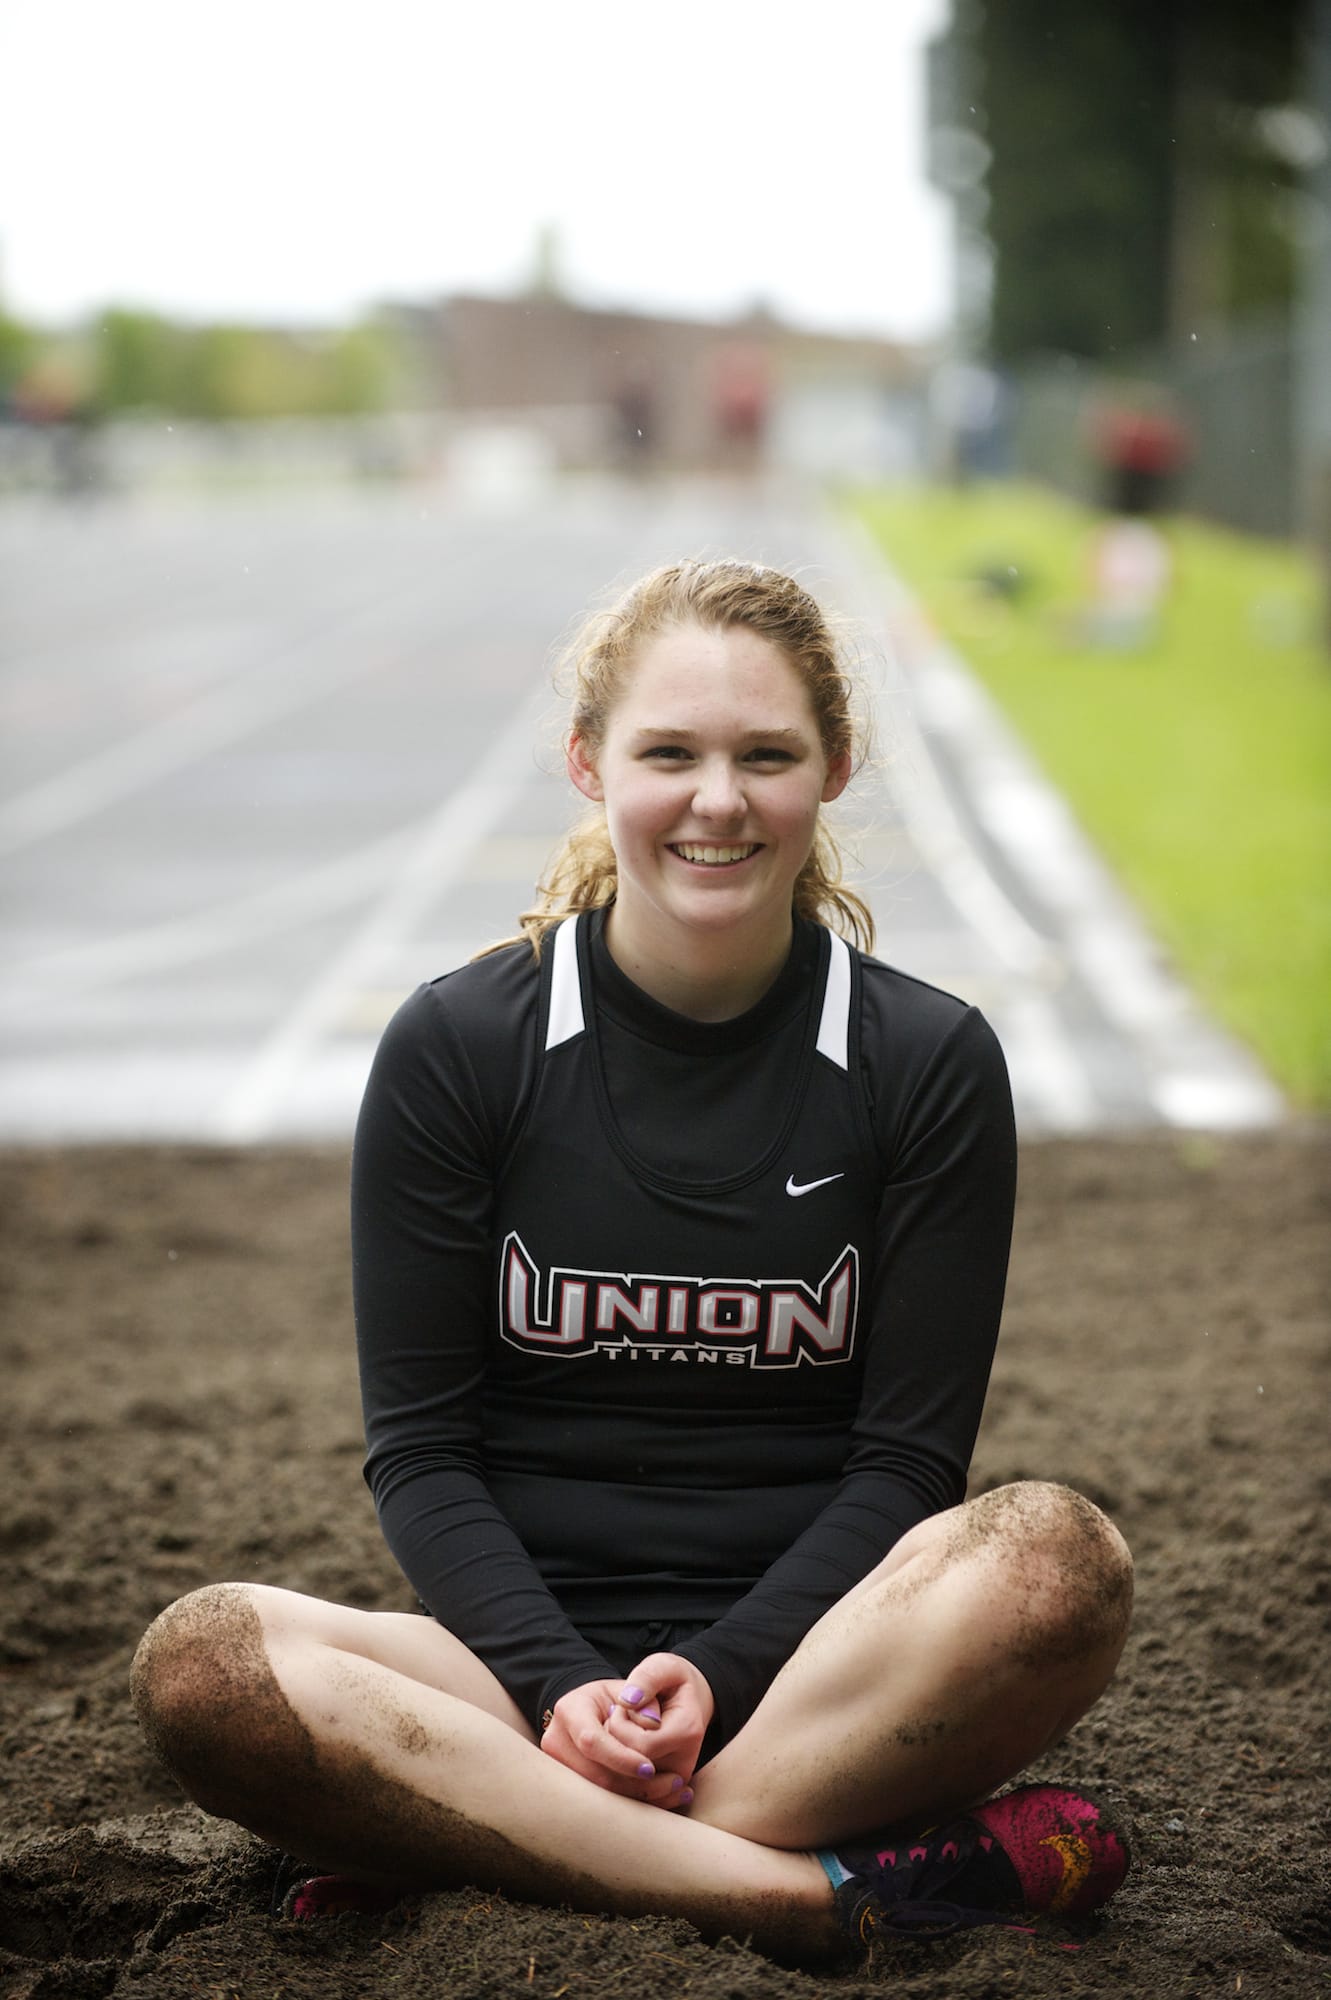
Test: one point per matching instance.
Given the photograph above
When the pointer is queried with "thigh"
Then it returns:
(406, 1642)
(977, 1641)
(929, 1538)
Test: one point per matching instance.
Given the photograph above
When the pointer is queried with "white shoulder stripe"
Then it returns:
(834, 1028)
(566, 1019)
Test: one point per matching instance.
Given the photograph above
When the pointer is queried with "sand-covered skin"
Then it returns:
(180, 1406)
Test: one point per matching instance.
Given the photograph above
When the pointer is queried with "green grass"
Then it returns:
(1200, 764)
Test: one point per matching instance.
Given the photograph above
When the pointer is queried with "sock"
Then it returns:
(831, 1867)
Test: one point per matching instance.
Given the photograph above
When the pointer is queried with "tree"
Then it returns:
(141, 361)
(136, 360)
(19, 347)
(1134, 185)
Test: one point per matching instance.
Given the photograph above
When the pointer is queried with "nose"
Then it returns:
(718, 794)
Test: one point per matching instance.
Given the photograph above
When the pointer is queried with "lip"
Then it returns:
(724, 854)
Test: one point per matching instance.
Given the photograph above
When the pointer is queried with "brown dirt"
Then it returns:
(181, 1407)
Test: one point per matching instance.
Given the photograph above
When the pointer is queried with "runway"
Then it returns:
(270, 762)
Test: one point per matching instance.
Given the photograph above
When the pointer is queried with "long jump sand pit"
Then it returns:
(180, 1406)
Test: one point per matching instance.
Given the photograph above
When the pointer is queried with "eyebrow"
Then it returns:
(794, 737)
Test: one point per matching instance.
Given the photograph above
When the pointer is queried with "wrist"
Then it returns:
(549, 1697)
(705, 1692)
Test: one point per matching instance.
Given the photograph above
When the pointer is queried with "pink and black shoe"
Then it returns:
(1040, 1849)
(302, 1897)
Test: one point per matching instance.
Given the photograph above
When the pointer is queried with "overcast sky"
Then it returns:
(301, 159)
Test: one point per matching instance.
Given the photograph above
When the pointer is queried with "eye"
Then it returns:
(769, 754)
(667, 753)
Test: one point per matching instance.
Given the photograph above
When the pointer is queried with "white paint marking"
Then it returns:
(935, 827)
(941, 838)
(439, 861)
(1046, 1069)
(1217, 1103)
(241, 920)
(222, 716)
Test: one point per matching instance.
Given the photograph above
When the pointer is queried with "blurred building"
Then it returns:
(493, 395)
(642, 390)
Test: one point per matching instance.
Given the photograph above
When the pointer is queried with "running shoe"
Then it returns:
(1041, 1849)
(301, 1897)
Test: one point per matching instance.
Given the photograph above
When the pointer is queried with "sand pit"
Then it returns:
(180, 1406)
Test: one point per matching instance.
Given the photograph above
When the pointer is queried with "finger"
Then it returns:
(656, 1671)
(663, 1790)
(629, 1726)
(598, 1746)
(564, 1754)
(640, 1700)
(644, 1737)
(675, 1801)
(679, 1720)
(637, 1784)
(634, 1718)
(591, 1747)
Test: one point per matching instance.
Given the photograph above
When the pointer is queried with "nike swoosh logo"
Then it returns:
(793, 1186)
(1077, 1859)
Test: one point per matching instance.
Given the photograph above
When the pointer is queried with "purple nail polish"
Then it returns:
(676, 1784)
(686, 1798)
(632, 1696)
(646, 1770)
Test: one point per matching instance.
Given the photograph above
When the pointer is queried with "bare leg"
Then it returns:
(382, 1746)
(976, 1644)
(266, 1716)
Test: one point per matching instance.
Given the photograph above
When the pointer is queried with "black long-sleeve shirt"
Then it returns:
(667, 1319)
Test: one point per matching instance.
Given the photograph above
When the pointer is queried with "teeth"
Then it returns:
(714, 856)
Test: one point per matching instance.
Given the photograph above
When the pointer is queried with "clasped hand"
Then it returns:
(639, 1737)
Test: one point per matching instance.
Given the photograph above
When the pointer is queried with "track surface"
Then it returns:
(270, 762)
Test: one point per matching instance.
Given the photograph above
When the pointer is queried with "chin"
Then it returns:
(722, 913)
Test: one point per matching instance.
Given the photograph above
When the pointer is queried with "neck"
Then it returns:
(705, 979)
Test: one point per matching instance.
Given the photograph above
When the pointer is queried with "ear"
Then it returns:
(838, 777)
(582, 771)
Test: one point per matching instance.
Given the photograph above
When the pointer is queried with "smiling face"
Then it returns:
(711, 772)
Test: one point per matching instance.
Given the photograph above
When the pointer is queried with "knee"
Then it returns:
(198, 1684)
(1069, 1568)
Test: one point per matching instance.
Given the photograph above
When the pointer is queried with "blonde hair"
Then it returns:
(583, 874)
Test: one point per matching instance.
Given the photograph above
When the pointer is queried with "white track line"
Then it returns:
(1047, 1072)
(103, 962)
(932, 821)
(438, 861)
(1047, 1068)
(938, 832)
(285, 682)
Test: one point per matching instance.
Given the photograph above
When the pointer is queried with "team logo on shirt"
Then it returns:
(768, 1323)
